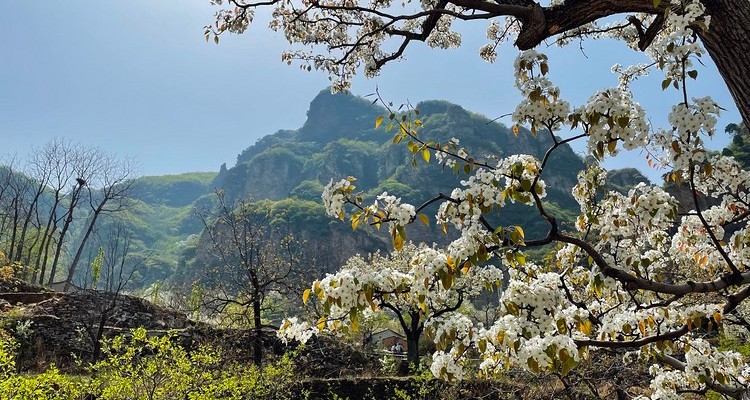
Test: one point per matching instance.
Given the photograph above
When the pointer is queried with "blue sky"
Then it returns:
(136, 78)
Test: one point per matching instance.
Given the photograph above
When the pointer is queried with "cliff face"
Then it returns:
(339, 139)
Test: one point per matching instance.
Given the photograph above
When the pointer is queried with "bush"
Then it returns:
(150, 367)
(50, 385)
(139, 366)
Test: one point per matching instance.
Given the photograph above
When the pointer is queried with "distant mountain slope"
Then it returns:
(173, 190)
(339, 139)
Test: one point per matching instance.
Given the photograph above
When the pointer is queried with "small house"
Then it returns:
(389, 340)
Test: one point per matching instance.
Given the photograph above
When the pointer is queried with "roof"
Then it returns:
(386, 333)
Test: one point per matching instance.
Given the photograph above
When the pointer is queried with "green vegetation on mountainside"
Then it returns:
(285, 174)
(339, 139)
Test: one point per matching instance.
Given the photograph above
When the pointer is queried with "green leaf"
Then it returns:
(520, 258)
(515, 237)
(623, 121)
(656, 3)
(533, 365)
(665, 83)
(693, 74)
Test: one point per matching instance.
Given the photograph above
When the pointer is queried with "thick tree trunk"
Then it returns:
(412, 350)
(728, 43)
(412, 340)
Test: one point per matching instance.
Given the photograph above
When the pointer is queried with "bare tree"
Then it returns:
(58, 155)
(110, 271)
(114, 177)
(246, 260)
(40, 172)
(84, 164)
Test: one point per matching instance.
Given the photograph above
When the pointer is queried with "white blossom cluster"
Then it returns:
(397, 213)
(443, 156)
(452, 329)
(446, 365)
(488, 52)
(542, 108)
(645, 207)
(334, 195)
(703, 363)
(590, 181)
(612, 116)
(442, 36)
(411, 279)
(683, 144)
(513, 178)
(540, 321)
(293, 329)
(675, 45)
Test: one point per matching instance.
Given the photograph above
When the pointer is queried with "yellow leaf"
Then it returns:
(398, 242)
(321, 323)
(520, 231)
(426, 155)
(355, 324)
(355, 222)
(425, 219)
(306, 296)
(585, 327)
(379, 121)
(717, 317)
(515, 130)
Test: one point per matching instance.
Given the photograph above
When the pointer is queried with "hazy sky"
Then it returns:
(136, 78)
